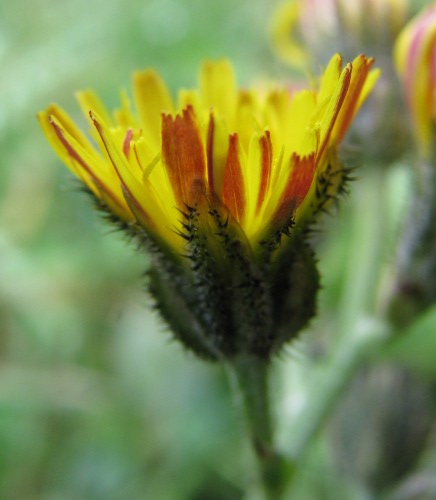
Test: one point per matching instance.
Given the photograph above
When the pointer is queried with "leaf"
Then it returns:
(416, 346)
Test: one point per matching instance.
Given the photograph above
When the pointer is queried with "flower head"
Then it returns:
(372, 16)
(302, 30)
(252, 156)
(415, 58)
(219, 176)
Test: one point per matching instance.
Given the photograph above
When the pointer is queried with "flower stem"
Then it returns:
(250, 381)
(358, 331)
(329, 380)
(415, 288)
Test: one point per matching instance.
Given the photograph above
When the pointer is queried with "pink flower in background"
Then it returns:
(415, 58)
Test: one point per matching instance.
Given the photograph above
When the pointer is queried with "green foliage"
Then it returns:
(416, 346)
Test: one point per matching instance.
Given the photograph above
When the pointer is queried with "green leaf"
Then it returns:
(416, 346)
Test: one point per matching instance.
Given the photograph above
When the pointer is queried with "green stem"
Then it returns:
(358, 333)
(250, 381)
(329, 380)
(415, 288)
(367, 253)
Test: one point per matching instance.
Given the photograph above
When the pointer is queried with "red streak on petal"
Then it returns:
(126, 143)
(300, 179)
(133, 203)
(209, 151)
(338, 107)
(352, 97)
(233, 188)
(183, 154)
(432, 82)
(416, 56)
(420, 27)
(266, 160)
(74, 154)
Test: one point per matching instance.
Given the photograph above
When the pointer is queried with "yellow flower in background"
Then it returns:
(304, 34)
(285, 31)
(415, 58)
(252, 156)
(302, 30)
(387, 15)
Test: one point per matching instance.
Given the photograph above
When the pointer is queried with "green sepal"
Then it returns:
(178, 314)
(169, 282)
(294, 289)
(206, 286)
(330, 183)
(248, 290)
(222, 299)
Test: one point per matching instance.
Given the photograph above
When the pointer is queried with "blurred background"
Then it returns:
(96, 400)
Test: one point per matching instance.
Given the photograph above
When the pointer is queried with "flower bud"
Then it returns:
(220, 188)
(415, 58)
(312, 29)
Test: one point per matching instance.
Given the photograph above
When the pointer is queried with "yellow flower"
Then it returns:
(374, 15)
(415, 58)
(285, 24)
(256, 158)
(304, 31)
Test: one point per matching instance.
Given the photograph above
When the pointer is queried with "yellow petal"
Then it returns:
(301, 111)
(124, 116)
(359, 74)
(152, 98)
(89, 101)
(328, 122)
(218, 88)
(217, 150)
(90, 168)
(68, 125)
(132, 189)
(330, 78)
